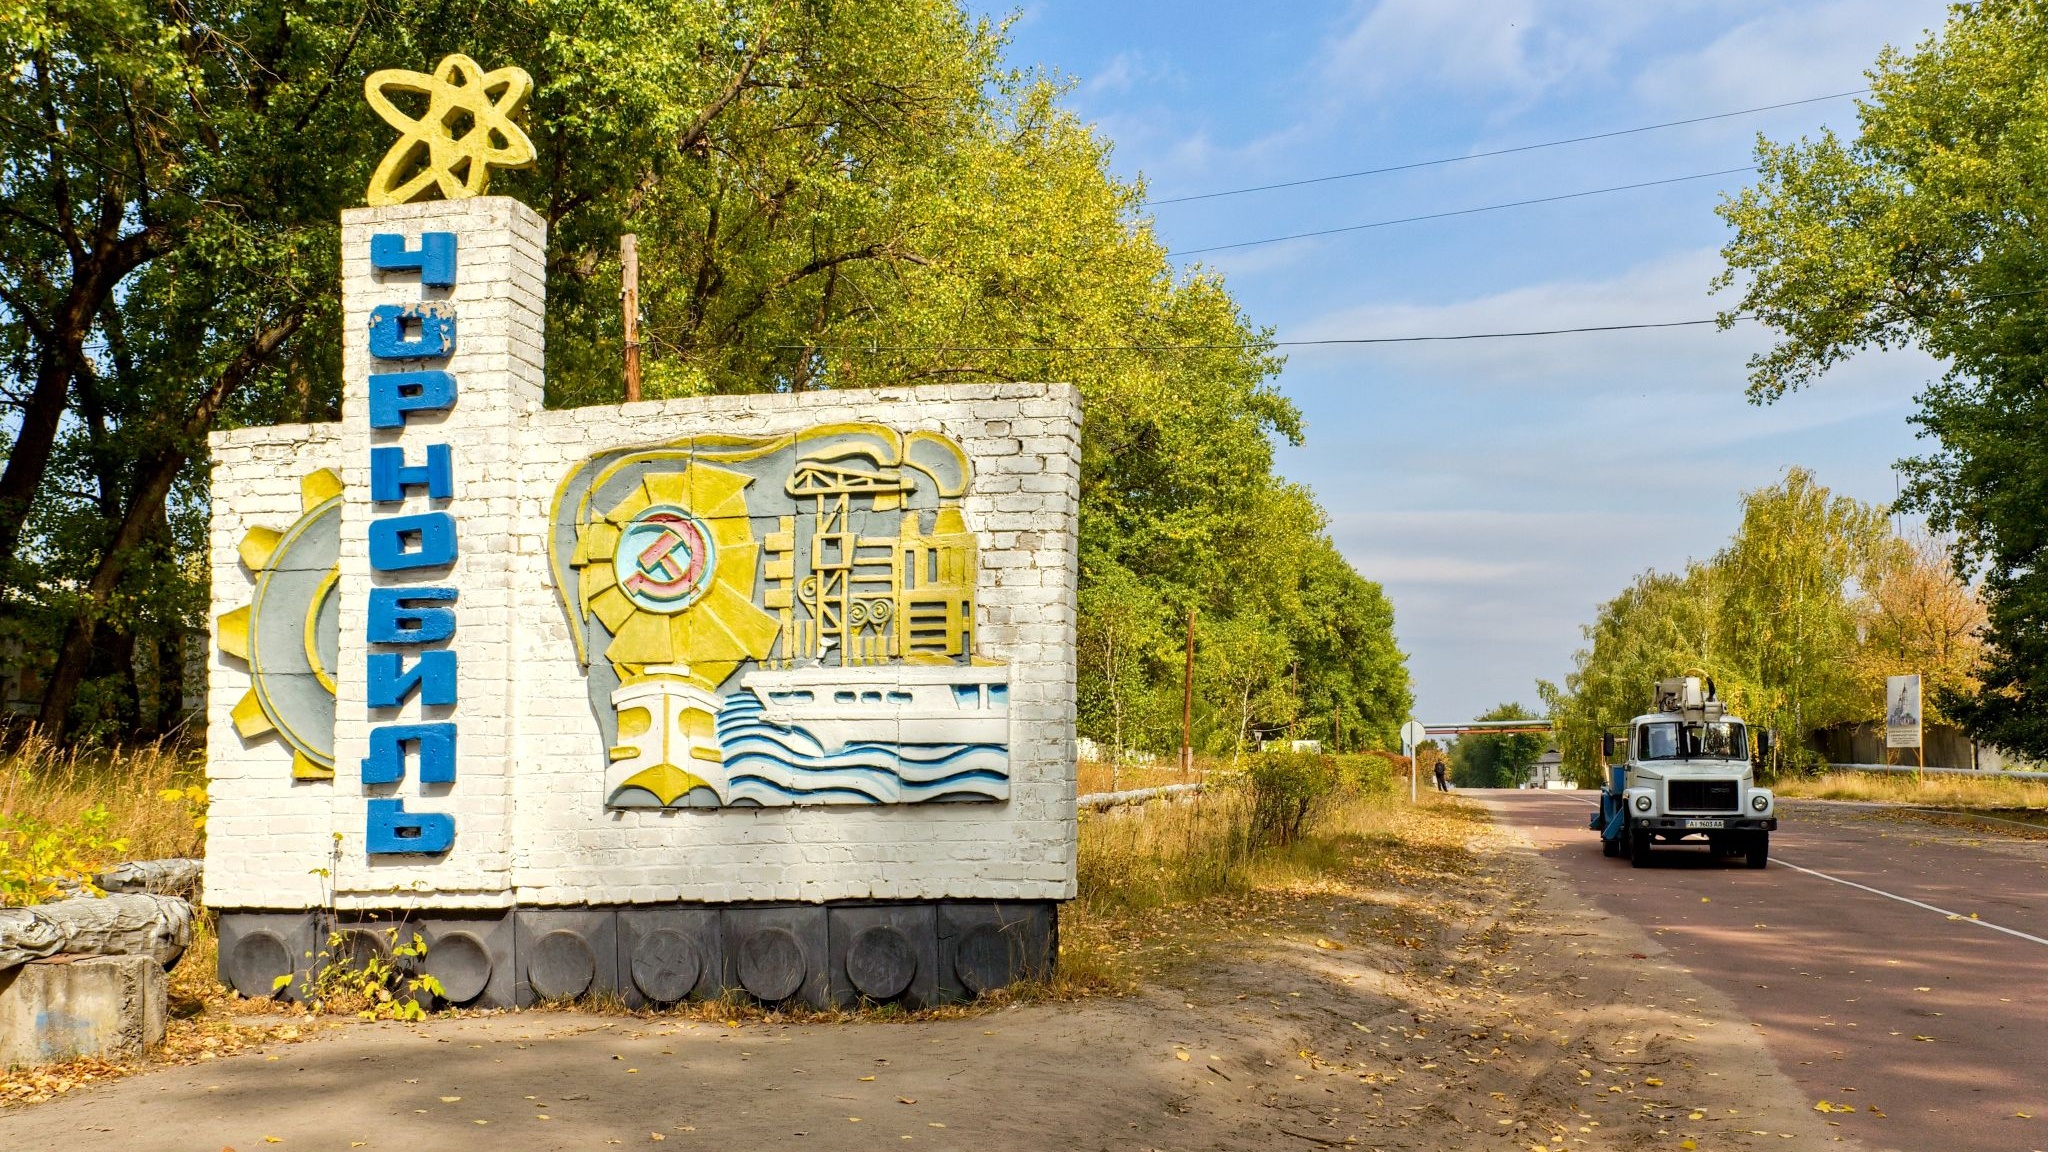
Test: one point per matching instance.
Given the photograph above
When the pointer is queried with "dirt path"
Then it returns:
(1477, 1010)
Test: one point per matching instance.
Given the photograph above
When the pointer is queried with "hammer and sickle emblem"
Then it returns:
(467, 130)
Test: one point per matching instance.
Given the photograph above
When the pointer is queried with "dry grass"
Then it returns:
(1093, 776)
(1985, 792)
(1161, 881)
(56, 787)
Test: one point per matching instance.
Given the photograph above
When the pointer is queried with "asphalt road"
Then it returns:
(1886, 997)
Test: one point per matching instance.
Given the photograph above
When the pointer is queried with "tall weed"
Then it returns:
(66, 813)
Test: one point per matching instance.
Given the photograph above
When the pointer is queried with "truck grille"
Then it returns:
(1703, 796)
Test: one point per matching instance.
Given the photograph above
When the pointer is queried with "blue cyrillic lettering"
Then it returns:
(394, 831)
(434, 259)
(390, 475)
(394, 395)
(390, 682)
(400, 543)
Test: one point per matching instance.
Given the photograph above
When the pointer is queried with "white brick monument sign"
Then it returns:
(770, 692)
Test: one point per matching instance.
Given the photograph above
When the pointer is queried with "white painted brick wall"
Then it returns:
(265, 831)
(529, 799)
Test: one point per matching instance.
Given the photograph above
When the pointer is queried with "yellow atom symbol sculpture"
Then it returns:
(466, 131)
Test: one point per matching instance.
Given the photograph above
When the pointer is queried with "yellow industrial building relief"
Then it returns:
(782, 620)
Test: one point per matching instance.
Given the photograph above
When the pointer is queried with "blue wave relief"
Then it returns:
(771, 765)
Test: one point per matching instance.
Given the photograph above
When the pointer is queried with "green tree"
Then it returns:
(1786, 620)
(827, 196)
(1779, 620)
(1484, 761)
(1922, 230)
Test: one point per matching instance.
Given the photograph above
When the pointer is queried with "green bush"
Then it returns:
(35, 856)
(1289, 790)
(1368, 773)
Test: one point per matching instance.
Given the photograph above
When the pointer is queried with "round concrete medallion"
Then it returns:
(256, 962)
(771, 964)
(881, 962)
(562, 966)
(666, 967)
(462, 965)
(355, 948)
(982, 959)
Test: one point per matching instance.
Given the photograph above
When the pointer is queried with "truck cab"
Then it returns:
(1684, 773)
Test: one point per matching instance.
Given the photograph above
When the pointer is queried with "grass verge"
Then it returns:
(1987, 792)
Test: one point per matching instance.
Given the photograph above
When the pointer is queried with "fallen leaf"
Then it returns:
(905, 1100)
(1688, 1144)
(656, 1136)
(1180, 1055)
(853, 1119)
(273, 1140)
(2023, 1115)
(1653, 1082)
(450, 1099)
(865, 1079)
(1328, 945)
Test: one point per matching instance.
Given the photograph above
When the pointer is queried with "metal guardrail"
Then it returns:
(1104, 801)
(1985, 773)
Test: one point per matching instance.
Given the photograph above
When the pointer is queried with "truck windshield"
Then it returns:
(1671, 740)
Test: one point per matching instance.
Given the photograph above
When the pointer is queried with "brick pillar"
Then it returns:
(496, 303)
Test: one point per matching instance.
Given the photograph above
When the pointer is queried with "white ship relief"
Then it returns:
(902, 704)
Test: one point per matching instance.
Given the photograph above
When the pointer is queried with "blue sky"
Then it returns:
(1499, 490)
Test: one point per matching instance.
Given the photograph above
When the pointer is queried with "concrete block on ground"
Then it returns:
(67, 1007)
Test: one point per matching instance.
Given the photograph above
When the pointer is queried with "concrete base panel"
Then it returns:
(471, 956)
(914, 953)
(258, 947)
(779, 953)
(65, 1007)
(668, 955)
(565, 953)
(884, 954)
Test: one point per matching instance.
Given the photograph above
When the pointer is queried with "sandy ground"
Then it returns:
(1486, 1010)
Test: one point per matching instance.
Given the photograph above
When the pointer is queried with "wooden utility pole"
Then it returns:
(629, 303)
(1187, 704)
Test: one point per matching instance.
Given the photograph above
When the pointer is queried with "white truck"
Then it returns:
(1685, 774)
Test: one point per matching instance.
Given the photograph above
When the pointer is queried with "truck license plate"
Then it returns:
(1706, 823)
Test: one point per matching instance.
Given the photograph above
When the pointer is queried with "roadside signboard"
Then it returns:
(1902, 711)
(1413, 734)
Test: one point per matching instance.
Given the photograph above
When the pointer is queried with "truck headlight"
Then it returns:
(1759, 802)
(1642, 803)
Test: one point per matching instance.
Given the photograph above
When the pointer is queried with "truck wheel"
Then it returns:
(1610, 847)
(1639, 848)
(1759, 849)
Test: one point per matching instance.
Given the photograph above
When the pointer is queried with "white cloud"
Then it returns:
(1788, 52)
(1519, 48)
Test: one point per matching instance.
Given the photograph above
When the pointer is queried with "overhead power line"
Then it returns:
(1467, 211)
(1497, 151)
(1246, 345)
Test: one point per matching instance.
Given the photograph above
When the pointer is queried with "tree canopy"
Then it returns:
(1923, 229)
(1480, 760)
(1798, 621)
(826, 196)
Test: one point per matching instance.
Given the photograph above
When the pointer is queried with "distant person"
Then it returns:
(1442, 785)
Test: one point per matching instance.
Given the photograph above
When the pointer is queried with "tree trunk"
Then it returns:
(95, 273)
(145, 511)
